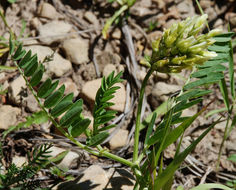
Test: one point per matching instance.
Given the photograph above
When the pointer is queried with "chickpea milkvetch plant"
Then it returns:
(180, 47)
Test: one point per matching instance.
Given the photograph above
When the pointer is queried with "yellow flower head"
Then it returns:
(182, 47)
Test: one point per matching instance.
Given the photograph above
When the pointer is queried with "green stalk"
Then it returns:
(138, 119)
(223, 141)
(112, 19)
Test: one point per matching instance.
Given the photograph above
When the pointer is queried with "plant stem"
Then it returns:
(223, 141)
(138, 119)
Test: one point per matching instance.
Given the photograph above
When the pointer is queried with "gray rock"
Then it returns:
(68, 160)
(96, 177)
(16, 90)
(108, 69)
(48, 11)
(31, 103)
(161, 90)
(19, 160)
(53, 31)
(120, 179)
(90, 17)
(8, 116)
(58, 66)
(107, 57)
(90, 88)
(70, 86)
(119, 139)
(76, 50)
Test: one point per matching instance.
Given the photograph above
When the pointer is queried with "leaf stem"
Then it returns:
(138, 119)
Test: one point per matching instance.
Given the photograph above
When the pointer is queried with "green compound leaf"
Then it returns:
(211, 78)
(205, 72)
(54, 98)
(79, 127)
(44, 88)
(11, 44)
(51, 89)
(60, 108)
(19, 53)
(72, 114)
(63, 105)
(25, 59)
(32, 59)
(195, 93)
(32, 67)
(98, 139)
(173, 166)
(37, 76)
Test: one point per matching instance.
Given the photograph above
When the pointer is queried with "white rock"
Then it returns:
(89, 16)
(76, 50)
(19, 160)
(70, 86)
(16, 88)
(58, 66)
(94, 176)
(119, 139)
(8, 116)
(68, 160)
(116, 34)
(126, 179)
(161, 90)
(48, 11)
(90, 88)
(32, 103)
(54, 31)
(108, 69)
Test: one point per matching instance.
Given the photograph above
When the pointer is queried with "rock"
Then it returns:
(232, 19)
(161, 90)
(19, 160)
(35, 23)
(76, 50)
(154, 36)
(108, 69)
(90, 17)
(120, 179)
(58, 66)
(53, 31)
(116, 34)
(107, 57)
(94, 176)
(31, 103)
(141, 75)
(67, 162)
(211, 13)
(48, 11)
(186, 9)
(16, 90)
(8, 116)
(90, 88)
(221, 126)
(119, 139)
(206, 3)
(70, 86)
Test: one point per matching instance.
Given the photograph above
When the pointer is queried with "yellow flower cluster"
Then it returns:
(182, 47)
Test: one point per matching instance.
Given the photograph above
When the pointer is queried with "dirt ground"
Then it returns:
(72, 29)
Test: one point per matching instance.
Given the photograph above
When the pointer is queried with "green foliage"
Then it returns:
(157, 138)
(23, 177)
(36, 118)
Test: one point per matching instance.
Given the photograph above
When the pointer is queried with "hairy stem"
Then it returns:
(138, 118)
